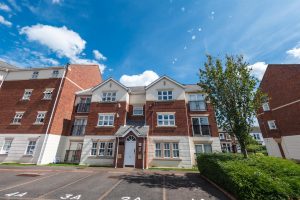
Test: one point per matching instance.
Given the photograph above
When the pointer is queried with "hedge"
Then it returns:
(257, 177)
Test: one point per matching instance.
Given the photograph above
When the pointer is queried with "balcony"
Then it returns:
(83, 107)
(201, 130)
(78, 130)
(197, 106)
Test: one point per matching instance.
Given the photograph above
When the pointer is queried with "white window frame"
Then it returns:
(222, 136)
(158, 151)
(272, 125)
(138, 111)
(35, 74)
(161, 150)
(165, 119)
(94, 148)
(165, 95)
(110, 96)
(102, 149)
(31, 146)
(175, 151)
(6, 146)
(18, 117)
(203, 149)
(40, 118)
(266, 106)
(48, 94)
(106, 119)
(55, 73)
(201, 124)
(109, 149)
(27, 94)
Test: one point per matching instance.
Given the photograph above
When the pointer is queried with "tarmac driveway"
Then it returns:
(102, 184)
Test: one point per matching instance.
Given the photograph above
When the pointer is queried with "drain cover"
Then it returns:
(29, 174)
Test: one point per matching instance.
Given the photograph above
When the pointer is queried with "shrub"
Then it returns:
(257, 177)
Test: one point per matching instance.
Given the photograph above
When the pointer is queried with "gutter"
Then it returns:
(117, 153)
(51, 116)
(4, 77)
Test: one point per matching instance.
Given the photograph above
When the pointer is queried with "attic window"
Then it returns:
(35, 75)
(165, 95)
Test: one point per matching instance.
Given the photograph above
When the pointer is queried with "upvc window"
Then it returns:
(256, 136)
(40, 118)
(266, 106)
(167, 150)
(165, 95)
(109, 151)
(102, 149)
(166, 119)
(106, 120)
(35, 75)
(138, 110)
(272, 125)
(226, 147)
(27, 94)
(18, 117)
(200, 126)
(94, 149)
(222, 137)
(48, 94)
(6, 147)
(55, 73)
(197, 102)
(109, 96)
(31, 147)
(203, 148)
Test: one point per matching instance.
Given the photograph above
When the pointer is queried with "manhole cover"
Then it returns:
(29, 174)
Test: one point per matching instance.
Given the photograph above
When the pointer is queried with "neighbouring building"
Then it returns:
(164, 124)
(227, 142)
(257, 135)
(279, 116)
(36, 106)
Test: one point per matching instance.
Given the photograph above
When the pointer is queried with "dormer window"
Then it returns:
(109, 96)
(27, 94)
(35, 75)
(266, 106)
(55, 73)
(165, 95)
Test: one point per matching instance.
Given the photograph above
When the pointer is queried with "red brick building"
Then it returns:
(279, 116)
(162, 124)
(36, 108)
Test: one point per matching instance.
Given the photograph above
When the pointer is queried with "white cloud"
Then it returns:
(14, 5)
(56, 1)
(295, 52)
(182, 9)
(98, 55)
(61, 40)
(143, 79)
(4, 7)
(5, 22)
(258, 69)
(193, 37)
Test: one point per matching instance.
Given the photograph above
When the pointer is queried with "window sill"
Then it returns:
(15, 124)
(199, 110)
(100, 157)
(108, 102)
(104, 126)
(38, 124)
(46, 99)
(201, 135)
(27, 155)
(24, 99)
(165, 101)
(166, 126)
(168, 159)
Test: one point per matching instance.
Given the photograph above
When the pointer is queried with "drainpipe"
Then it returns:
(4, 78)
(143, 152)
(51, 116)
(117, 153)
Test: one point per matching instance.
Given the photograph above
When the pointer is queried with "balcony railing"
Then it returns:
(201, 130)
(78, 130)
(197, 105)
(83, 107)
(72, 156)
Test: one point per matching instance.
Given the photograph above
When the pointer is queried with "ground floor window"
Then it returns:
(30, 148)
(203, 148)
(226, 147)
(6, 147)
(166, 150)
(103, 149)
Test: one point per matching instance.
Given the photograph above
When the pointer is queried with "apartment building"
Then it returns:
(279, 116)
(228, 143)
(163, 124)
(36, 106)
(257, 135)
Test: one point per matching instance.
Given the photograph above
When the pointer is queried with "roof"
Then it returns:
(255, 129)
(110, 79)
(85, 92)
(164, 77)
(4, 65)
(192, 88)
(139, 131)
(137, 89)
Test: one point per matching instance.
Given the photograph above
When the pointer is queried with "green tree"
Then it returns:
(233, 92)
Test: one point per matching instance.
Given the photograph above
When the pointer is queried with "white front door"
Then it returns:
(130, 144)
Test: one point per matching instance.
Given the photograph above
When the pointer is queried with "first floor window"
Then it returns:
(106, 120)
(166, 119)
(40, 118)
(266, 106)
(6, 146)
(166, 150)
(27, 94)
(94, 149)
(30, 148)
(18, 117)
(48, 94)
(272, 125)
(102, 149)
(138, 110)
(203, 148)
(200, 126)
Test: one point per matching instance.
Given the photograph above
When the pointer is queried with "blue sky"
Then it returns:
(159, 36)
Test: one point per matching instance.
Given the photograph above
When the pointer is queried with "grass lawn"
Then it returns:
(175, 169)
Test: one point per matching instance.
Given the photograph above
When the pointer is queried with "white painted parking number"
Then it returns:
(71, 196)
(16, 194)
(128, 198)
